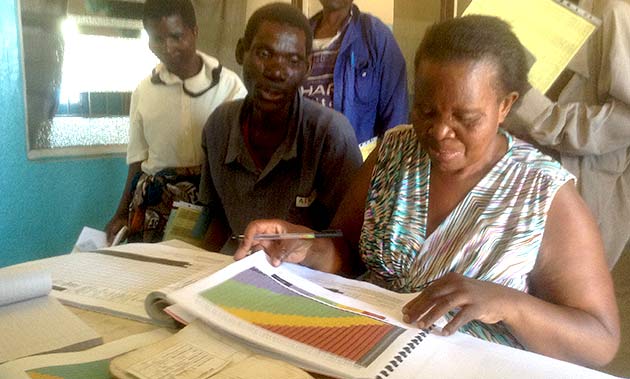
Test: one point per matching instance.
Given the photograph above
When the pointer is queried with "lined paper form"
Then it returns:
(118, 280)
(553, 31)
(32, 322)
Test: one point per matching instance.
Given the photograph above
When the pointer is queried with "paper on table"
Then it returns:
(23, 285)
(32, 322)
(271, 326)
(198, 352)
(387, 301)
(362, 321)
(90, 240)
(74, 365)
(118, 280)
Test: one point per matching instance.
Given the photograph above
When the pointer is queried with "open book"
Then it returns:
(129, 280)
(31, 322)
(323, 331)
(198, 352)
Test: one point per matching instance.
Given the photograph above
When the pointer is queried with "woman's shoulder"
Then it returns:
(524, 153)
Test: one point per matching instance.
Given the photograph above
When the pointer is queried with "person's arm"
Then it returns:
(576, 318)
(575, 128)
(570, 312)
(581, 127)
(121, 217)
(336, 255)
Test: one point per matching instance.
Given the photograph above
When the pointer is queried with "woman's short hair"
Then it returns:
(280, 13)
(477, 38)
(156, 9)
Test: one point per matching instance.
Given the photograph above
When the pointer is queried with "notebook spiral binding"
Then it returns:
(404, 353)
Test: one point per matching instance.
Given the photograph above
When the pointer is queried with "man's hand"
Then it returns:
(286, 250)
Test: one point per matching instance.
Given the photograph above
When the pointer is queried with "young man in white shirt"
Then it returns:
(168, 111)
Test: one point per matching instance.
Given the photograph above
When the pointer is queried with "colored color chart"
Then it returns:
(92, 370)
(263, 301)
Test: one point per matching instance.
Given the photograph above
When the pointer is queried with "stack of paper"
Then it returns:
(32, 322)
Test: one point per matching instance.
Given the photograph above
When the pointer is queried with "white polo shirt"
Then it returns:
(167, 115)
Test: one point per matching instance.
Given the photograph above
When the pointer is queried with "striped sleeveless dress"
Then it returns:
(494, 234)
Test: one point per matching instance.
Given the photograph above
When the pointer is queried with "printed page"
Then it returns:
(183, 223)
(197, 352)
(117, 280)
(41, 325)
(309, 326)
(386, 301)
(323, 331)
(31, 322)
(92, 363)
(19, 285)
(552, 31)
(90, 239)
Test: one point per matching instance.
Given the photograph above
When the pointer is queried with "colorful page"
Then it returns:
(197, 352)
(92, 363)
(312, 327)
(278, 313)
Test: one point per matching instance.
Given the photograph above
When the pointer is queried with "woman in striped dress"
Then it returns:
(490, 230)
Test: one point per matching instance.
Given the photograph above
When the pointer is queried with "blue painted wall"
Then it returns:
(43, 204)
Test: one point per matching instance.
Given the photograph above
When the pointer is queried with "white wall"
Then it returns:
(411, 19)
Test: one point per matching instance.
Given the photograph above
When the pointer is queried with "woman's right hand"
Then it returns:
(113, 226)
(288, 250)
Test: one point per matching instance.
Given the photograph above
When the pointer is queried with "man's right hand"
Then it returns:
(291, 250)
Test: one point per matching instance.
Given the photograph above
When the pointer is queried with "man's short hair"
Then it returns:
(156, 9)
(280, 13)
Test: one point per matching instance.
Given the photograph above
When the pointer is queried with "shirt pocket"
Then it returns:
(365, 83)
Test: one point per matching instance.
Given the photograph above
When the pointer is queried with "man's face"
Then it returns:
(334, 5)
(275, 65)
(172, 42)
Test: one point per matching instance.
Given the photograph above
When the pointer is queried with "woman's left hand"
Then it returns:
(471, 299)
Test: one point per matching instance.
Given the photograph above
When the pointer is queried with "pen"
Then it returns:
(292, 236)
(122, 233)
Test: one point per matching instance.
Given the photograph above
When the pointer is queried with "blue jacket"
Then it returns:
(370, 77)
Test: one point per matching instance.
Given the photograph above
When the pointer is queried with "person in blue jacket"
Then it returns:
(358, 69)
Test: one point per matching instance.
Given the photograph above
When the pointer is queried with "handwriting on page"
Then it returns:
(182, 361)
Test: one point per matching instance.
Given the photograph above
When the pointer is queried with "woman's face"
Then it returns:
(456, 113)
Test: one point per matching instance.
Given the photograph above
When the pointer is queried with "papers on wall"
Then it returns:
(92, 363)
(552, 30)
(31, 322)
(197, 352)
(119, 280)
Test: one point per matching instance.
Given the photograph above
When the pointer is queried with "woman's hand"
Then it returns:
(470, 299)
(288, 250)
